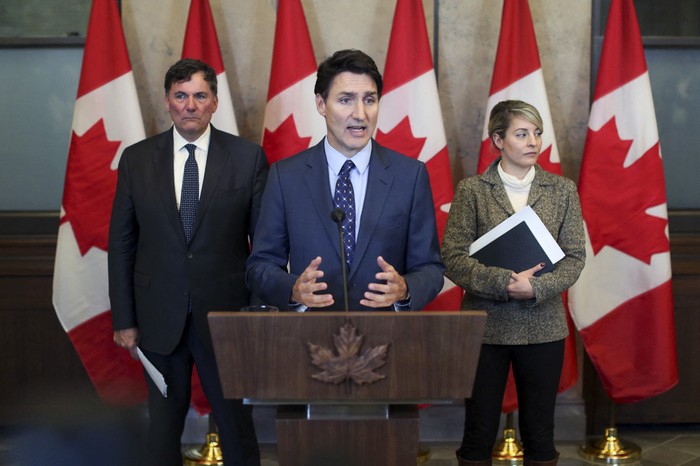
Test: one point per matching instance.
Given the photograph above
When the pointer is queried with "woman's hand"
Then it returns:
(520, 286)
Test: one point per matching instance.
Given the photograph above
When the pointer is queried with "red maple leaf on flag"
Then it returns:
(89, 188)
(284, 141)
(615, 199)
(401, 139)
(544, 161)
(441, 186)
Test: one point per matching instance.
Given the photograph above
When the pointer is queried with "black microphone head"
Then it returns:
(337, 215)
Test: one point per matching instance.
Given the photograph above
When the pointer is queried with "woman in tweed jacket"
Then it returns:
(526, 322)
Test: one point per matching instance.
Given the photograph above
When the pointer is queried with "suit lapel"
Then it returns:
(316, 181)
(164, 181)
(498, 191)
(216, 162)
(379, 183)
(537, 187)
(500, 195)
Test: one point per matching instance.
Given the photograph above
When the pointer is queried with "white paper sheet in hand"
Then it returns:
(155, 374)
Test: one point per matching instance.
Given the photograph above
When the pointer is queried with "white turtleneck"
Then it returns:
(517, 190)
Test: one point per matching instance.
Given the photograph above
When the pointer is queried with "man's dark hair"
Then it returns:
(354, 61)
(184, 69)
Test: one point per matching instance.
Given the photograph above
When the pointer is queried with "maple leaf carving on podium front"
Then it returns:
(348, 364)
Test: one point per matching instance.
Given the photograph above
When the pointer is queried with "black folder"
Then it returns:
(513, 244)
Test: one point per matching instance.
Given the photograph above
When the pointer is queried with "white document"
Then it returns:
(533, 221)
(155, 374)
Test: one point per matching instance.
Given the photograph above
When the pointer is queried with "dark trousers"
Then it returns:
(536, 369)
(234, 420)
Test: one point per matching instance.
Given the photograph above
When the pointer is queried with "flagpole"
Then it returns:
(209, 453)
(436, 32)
(508, 449)
(610, 449)
(423, 454)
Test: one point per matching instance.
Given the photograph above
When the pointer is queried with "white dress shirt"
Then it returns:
(180, 155)
(358, 175)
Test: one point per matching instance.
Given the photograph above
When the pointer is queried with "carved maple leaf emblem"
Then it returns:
(348, 364)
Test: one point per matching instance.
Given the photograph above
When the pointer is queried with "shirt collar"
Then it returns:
(201, 142)
(336, 160)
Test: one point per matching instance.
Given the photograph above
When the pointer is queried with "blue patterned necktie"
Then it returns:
(189, 198)
(344, 199)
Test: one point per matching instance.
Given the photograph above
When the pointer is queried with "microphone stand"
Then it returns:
(338, 216)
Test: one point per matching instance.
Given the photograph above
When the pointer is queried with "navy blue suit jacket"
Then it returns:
(295, 226)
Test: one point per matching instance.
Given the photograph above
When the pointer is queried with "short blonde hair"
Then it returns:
(503, 113)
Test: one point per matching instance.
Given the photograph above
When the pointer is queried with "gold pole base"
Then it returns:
(610, 450)
(209, 453)
(508, 449)
(423, 454)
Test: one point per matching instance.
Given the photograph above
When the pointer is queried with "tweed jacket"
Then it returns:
(481, 203)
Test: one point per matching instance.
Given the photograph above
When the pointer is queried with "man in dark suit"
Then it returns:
(391, 242)
(186, 204)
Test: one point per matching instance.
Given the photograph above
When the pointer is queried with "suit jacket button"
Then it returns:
(190, 255)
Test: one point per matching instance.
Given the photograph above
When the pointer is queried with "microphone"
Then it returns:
(338, 215)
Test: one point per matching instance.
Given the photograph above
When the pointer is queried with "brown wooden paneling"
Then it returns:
(344, 442)
(38, 364)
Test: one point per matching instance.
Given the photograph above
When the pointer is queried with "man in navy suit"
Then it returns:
(185, 208)
(391, 242)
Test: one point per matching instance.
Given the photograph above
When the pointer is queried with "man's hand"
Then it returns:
(306, 284)
(520, 286)
(128, 339)
(386, 295)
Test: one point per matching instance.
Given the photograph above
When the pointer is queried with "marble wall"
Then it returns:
(467, 37)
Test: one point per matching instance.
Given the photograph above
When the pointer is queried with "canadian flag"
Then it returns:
(291, 120)
(201, 43)
(622, 303)
(410, 118)
(106, 119)
(517, 75)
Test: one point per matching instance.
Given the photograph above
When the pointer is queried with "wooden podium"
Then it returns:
(347, 382)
